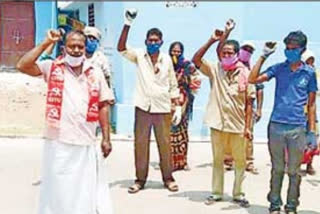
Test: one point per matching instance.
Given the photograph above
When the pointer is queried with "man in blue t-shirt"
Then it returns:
(296, 86)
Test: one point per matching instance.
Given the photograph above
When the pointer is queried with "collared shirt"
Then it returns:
(74, 129)
(99, 59)
(156, 84)
(226, 106)
(292, 92)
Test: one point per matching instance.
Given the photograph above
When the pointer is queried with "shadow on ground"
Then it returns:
(204, 165)
(155, 165)
(127, 183)
(258, 209)
(197, 196)
(200, 196)
(313, 182)
(308, 212)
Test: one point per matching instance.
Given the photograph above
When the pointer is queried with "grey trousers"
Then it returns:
(290, 138)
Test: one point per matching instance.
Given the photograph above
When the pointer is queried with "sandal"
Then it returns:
(172, 186)
(186, 168)
(135, 188)
(211, 199)
(228, 165)
(255, 171)
(242, 202)
(250, 168)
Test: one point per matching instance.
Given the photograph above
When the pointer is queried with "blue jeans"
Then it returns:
(290, 138)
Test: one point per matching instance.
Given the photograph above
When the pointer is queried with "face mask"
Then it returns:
(293, 55)
(177, 59)
(73, 61)
(91, 45)
(153, 48)
(174, 60)
(229, 63)
(244, 56)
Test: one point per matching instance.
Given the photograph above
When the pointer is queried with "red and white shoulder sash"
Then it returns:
(55, 95)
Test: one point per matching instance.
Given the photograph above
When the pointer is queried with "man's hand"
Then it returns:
(269, 48)
(176, 119)
(130, 15)
(106, 148)
(312, 140)
(248, 134)
(54, 35)
(257, 115)
(230, 25)
(217, 35)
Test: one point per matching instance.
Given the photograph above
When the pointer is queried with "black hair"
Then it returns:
(234, 43)
(297, 36)
(154, 31)
(174, 44)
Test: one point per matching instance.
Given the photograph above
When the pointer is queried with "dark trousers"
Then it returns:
(161, 123)
(291, 138)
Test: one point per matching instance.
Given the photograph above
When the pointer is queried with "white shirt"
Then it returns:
(156, 84)
(74, 129)
(98, 59)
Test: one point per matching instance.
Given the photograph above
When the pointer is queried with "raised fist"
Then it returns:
(217, 34)
(55, 35)
(230, 25)
(269, 48)
(130, 15)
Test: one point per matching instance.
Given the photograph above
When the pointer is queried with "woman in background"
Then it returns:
(189, 82)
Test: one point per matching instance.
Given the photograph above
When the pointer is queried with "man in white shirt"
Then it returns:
(76, 101)
(156, 90)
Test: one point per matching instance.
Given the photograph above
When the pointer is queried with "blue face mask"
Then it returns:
(153, 48)
(91, 45)
(293, 55)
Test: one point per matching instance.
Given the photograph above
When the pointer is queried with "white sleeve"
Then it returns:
(106, 66)
(106, 93)
(45, 67)
(131, 54)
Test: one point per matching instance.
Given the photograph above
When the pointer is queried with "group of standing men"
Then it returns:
(79, 97)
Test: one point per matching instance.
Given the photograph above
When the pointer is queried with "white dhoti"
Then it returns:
(74, 180)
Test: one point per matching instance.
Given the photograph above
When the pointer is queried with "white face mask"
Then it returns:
(74, 61)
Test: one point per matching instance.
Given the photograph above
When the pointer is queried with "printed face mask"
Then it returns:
(229, 63)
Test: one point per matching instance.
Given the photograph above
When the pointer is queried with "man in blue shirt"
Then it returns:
(296, 86)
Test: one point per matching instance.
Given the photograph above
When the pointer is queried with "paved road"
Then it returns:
(20, 161)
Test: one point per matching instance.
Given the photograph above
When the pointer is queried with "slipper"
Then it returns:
(229, 168)
(242, 202)
(172, 186)
(212, 199)
(250, 168)
(186, 168)
(135, 188)
(228, 165)
(255, 171)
